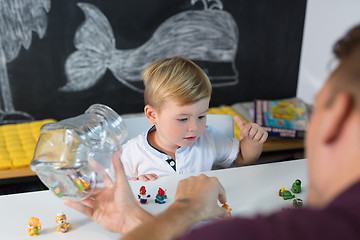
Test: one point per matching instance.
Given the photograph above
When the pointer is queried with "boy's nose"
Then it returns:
(192, 126)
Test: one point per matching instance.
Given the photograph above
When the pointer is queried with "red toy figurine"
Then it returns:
(160, 197)
(142, 196)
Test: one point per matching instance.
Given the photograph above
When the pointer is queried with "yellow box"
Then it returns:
(21, 162)
(5, 163)
(18, 142)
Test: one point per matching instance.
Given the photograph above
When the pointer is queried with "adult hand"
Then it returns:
(200, 195)
(115, 208)
(196, 199)
(251, 130)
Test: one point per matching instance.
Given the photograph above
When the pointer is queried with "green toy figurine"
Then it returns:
(286, 194)
(296, 187)
(297, 203)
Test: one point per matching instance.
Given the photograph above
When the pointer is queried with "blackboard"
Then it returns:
(71, 54)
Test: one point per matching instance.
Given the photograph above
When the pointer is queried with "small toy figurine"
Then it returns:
(34, 226)
(296, 187)
(57, 190)
(142, 196)
(82, 184)
(281, 191)
(62, 225)
(297, 203)
(286, 194)
(228, 209)
(81, 181)
(160, 197)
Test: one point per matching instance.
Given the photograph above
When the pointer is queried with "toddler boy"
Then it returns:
(177, 95)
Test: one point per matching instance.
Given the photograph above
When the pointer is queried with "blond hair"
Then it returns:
(178, 79)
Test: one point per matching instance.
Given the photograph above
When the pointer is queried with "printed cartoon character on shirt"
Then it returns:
(142, 196)
(34, 226)
(161, 196)
(62, 225)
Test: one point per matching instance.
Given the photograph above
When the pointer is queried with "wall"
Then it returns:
(60, 57)
(325, 22)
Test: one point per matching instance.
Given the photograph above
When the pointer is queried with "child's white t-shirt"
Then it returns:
(211, 148)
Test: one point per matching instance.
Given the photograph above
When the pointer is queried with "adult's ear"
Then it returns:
(339, 113)
(150, 114)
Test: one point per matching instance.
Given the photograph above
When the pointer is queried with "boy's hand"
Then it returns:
(145, 177)
(251, 130)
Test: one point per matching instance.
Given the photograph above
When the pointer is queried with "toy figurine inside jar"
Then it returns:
(72, 156)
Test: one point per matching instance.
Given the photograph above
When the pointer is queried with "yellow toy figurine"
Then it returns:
(34, 226)
(62, 225)
(228, 209)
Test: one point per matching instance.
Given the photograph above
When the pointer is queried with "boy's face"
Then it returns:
(180, 125)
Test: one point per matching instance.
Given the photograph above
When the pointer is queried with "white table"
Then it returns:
(250, 190)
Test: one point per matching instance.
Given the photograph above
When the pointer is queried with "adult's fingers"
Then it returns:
(119, 170)
(216, 187)
(79, 206)
(89, 202)
(220, 211)
(222, 194)
(102, 173)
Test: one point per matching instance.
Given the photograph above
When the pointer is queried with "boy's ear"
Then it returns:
(150, 114)
(339, 112)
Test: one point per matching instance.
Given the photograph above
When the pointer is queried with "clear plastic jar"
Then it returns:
(72, 156)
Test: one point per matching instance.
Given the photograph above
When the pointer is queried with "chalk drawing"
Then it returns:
(18, 18)
(209, 35)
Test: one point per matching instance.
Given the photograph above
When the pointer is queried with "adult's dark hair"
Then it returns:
(346, 45)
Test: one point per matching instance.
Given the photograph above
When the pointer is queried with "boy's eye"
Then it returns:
(201, 117)
(182, 119)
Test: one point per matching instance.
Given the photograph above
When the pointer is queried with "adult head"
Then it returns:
(333, 136)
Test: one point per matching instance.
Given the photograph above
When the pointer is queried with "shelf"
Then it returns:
(282, 144)
(16, 172)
